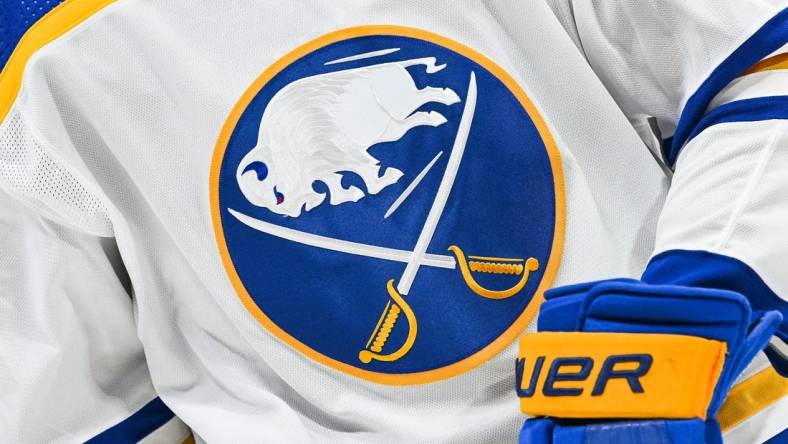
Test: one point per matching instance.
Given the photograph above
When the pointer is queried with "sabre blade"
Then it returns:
(363, 56)
(343, 246)
(412, 186)
(419, 255)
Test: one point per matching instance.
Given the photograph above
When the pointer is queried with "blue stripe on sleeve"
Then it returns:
(747, 110)
(769, 38)
(137, 426)
(780, 438)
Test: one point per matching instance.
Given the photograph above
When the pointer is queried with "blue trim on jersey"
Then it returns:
(780, 438)
(747, 110)
(711, 270)
(769, 38)
(16, 17)
(137, 426)
(777, 359)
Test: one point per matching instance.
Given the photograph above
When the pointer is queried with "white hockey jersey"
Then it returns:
(308, 221)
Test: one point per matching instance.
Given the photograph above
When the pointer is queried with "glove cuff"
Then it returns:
(617, 375)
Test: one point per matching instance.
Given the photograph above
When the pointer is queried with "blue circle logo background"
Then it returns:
(502, 204)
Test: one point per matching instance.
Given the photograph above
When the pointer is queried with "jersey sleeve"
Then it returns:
(722, 227)
(73, 369)
(713, 74)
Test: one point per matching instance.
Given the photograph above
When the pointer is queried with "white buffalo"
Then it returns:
(319, 127)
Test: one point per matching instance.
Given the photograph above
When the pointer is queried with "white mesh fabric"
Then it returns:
(33, 173)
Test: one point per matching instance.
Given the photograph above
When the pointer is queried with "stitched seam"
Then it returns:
(749, 189)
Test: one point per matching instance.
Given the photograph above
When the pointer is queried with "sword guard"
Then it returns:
(382, 331)
(495, 265)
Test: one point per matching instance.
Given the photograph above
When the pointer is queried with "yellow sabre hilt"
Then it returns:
(391, 313)
(496, 265)
(383, 329)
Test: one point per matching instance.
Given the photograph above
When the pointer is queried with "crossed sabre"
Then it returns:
(414, 259)
(417, 257)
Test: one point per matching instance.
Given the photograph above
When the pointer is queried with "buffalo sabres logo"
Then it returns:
(354, 187)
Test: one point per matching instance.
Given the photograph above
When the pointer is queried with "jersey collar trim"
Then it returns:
(54, 24)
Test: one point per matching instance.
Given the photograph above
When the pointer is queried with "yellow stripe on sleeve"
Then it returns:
(750, 396)
(780, 61)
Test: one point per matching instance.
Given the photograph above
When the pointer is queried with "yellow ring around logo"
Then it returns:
(514, 330)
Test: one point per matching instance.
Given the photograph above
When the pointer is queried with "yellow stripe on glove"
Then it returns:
(617, 375)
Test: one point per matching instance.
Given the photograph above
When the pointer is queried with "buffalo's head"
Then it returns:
(257, 177)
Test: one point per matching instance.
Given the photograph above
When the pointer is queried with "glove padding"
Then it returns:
(642, 311)
(551, 430)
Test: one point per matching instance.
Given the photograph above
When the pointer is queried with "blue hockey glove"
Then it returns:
(624, 361)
